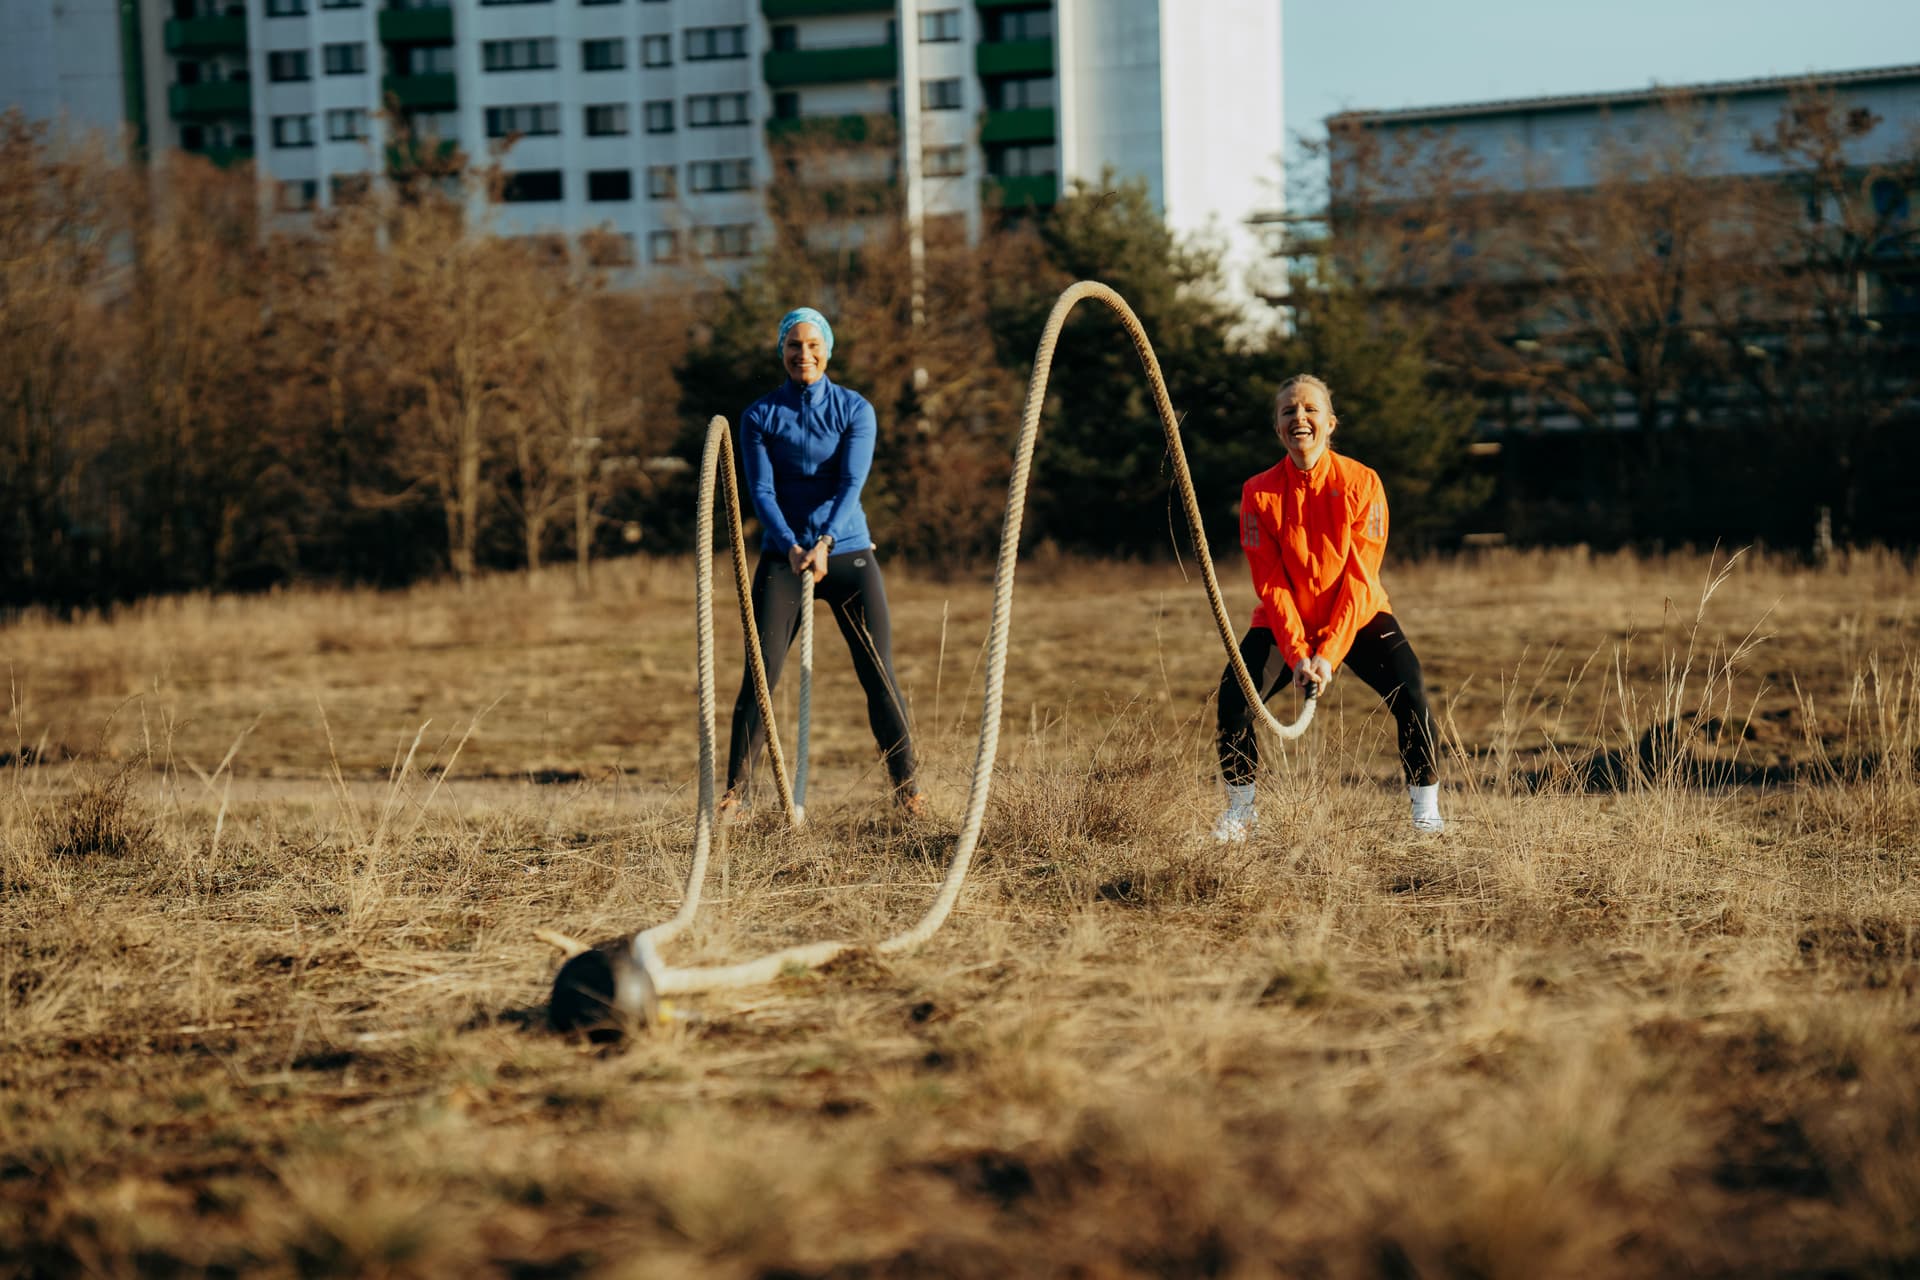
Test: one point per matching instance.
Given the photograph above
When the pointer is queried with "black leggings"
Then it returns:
(857, 595)
(1381, 656)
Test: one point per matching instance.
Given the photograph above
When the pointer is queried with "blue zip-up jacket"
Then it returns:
(806, 451)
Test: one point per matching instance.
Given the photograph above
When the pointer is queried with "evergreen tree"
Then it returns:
(1396, 415)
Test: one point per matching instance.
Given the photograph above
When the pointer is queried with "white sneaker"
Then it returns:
(1425, 802)
(1240, 817)
(1235, 825)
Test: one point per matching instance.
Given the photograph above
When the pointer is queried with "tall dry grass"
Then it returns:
(1647, 1008)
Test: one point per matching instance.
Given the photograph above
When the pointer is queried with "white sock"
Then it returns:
(1240, 798)
(1426, 806)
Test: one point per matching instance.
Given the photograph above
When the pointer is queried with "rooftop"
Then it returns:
(1623, 97)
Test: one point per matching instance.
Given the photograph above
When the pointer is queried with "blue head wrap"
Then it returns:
(804, 315)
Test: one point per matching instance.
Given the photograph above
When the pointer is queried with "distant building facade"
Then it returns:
(1659, 297)
(1568, 148)
(1530, 143)
(656, 119)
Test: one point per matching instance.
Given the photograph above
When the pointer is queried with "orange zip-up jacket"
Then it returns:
(1314, 540)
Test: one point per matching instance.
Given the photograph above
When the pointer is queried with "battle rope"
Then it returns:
(649, 978)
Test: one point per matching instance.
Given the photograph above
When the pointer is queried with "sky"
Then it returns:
(1379, 54)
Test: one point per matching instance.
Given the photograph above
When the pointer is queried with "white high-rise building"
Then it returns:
(659, 119)
(62, 63)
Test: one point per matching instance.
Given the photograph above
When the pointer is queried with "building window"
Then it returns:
(734, 241)
(444, 125)
(786, 105)
(945, 162)
(719, 175)
(293, 131)
(424, 60)
(531, 186)
(705, 44)
(659, 116)
(941, 27)
(289, 64)
(705, 110)
(607, 120)
(603, 55)
(344, 59)
(297, 196)
(662, 183)
(663, 246)
(492, 2)
(534, 120)
(1018, 24)
(520, 55)
(599, 1)
(349, 125)
(286, 8)
(786, 38)
(656, 51)
(940, 95)
(609, 184)
(1029, 161)
(1020, 92)
(340, 4)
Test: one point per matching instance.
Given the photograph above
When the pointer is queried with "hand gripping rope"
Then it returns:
(639, 978)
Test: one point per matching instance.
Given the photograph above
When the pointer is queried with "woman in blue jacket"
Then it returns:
(806, 450)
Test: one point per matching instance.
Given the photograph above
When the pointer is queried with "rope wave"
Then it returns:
(653, 976)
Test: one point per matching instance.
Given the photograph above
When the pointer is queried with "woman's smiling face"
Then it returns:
(804, 353)
(1304, 422)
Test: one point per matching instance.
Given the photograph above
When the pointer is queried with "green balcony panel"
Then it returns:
(842, 129)
(832, 66)
(416, 26)
(1027, 124)
(1015, 58)
(205, 35)
(422, 93)
(219, 98)
(1039, 189)
(822, 8)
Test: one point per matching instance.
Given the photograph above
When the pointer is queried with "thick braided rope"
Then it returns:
(737, 541)
(716, 465)
(766, 968)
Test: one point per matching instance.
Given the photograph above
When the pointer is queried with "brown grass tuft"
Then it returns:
(105, 817)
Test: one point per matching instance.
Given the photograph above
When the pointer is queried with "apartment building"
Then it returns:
(658, 119)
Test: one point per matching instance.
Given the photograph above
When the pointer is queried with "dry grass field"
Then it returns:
(270, 996)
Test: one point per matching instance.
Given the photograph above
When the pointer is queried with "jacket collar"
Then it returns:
(812, 396)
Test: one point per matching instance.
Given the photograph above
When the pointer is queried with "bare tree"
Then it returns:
(57, 223)
(454, 345)
(1830, 249)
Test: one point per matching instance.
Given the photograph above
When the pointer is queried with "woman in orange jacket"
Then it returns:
(1314, 527)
